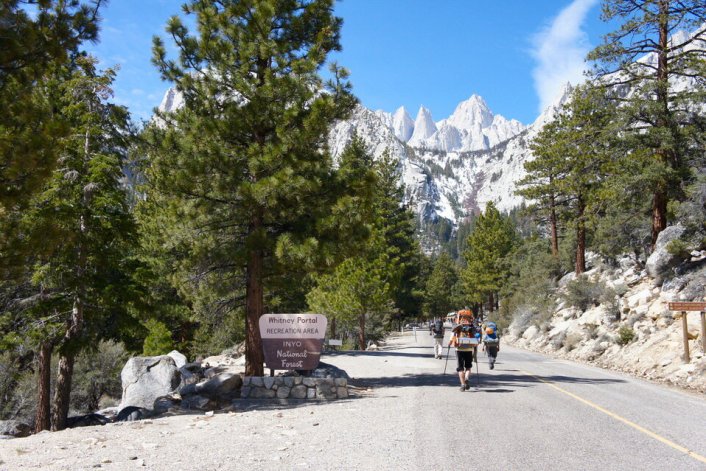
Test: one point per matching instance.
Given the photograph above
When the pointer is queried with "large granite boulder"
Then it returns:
(660, 263)
(145, 379)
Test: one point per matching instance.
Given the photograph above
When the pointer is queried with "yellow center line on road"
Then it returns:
(639, 428)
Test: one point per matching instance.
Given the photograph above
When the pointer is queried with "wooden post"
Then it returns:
(685, 332)
(693, 306)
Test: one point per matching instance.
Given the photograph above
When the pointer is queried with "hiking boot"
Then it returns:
(467, 385)
(463, 388)
(492, 365)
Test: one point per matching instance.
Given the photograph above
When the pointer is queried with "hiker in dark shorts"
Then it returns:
(465, 341)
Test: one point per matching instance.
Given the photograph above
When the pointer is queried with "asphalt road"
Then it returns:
(530, 413)
(534, 412)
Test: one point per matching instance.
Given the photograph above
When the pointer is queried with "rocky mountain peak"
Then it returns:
(402, 124)
(424, 127)
(471, 114)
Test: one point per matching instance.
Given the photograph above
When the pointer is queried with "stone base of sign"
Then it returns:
(293, 387)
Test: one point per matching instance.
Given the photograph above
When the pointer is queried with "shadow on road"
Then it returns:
(501, 381)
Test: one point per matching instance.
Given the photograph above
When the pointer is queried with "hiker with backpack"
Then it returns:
(491, 342)
(437, 330)
(465, 339)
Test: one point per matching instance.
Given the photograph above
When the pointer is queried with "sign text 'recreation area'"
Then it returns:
(292, 341)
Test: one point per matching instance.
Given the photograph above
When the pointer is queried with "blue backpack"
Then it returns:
(488, 336)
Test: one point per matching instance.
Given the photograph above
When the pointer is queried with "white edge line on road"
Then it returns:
(623, 420)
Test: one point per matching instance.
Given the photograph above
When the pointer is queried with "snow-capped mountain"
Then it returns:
(452, 167)
(472, 126)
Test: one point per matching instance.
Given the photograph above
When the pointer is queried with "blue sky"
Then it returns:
(516, 54)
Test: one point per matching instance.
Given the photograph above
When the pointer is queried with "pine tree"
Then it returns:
(574, 154)
(657, 115)
(441, 293)
(242, 169)
(82, 223)
(379, 279)
(486, 268)
(396, 221)
(540, 184)
(357, 295)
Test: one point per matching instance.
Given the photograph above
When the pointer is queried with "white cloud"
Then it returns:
(560, 50)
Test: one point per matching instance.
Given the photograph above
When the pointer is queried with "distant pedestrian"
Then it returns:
(437, 330)
(465, 339)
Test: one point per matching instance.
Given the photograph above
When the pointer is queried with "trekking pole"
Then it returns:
(448, 349)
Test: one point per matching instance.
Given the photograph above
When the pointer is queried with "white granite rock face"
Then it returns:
(656, 350)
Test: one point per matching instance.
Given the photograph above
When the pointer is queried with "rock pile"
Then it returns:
(293, 387)
(156, 385)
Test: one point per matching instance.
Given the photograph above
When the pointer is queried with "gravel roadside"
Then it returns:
(368, 431)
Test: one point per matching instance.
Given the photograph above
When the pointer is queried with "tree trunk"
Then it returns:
(42, 418)
(361, 332)
(333, 328)
(659, 215)
(67, 354)
(62, 395)
(491, 302)
(254, 308)
(580, 239)
(554, 236)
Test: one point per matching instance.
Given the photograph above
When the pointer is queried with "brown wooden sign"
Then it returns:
(292, 341)
(696, 306)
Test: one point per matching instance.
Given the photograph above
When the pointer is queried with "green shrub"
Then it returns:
(583, 293)
(679, 249)
(218, 334)
(97, 376)
(625, 335)
(159, 339)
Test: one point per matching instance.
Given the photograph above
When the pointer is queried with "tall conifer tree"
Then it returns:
(242, 166)
(573, 156)
(657, 115)
(33, 45)
(83, 230)
(486, 268)
(441, 293)
(365, 289)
